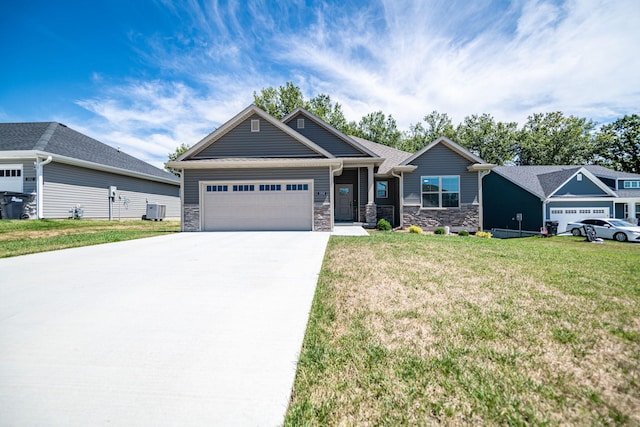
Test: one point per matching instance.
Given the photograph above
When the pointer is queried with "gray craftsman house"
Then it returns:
(256, 172)
(62, 170)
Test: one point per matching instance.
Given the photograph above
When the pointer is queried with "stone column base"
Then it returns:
(370, 214)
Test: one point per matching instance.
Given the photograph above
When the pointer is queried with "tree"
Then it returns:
(419, 135)
(321, 106)
(492, 142)
(377, 127)
(553, 139)
(180, 150)
(619, 144)
(279, 102)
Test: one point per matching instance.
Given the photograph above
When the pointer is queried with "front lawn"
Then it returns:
(413, 330)
(31, 236)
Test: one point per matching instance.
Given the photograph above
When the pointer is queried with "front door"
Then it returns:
(344, 202)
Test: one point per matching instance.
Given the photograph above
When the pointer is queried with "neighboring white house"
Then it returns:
(64, 169)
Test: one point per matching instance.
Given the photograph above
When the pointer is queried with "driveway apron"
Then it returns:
(178, 330)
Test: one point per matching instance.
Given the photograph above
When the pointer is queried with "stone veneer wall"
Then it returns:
(465, 218)
(385, 212)
(191, 218)
(322, 217)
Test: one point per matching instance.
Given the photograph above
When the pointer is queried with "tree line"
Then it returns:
(544, 139)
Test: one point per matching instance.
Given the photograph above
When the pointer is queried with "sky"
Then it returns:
(148, 75)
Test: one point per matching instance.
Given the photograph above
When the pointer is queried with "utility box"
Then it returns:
(156, 211)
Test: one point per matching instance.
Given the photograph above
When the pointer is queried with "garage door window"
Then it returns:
(245, 187)
(270, 187)
(297, 187)
(216, 188)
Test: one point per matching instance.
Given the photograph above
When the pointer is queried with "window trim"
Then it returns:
(629, 184)
(300, 123)
(386, 189)
(440, 192)
(255, 125)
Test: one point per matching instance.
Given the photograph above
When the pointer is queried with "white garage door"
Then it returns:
(251, 206)
(11, 178)
(566, 215)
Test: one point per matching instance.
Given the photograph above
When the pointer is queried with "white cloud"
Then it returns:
(404, 57)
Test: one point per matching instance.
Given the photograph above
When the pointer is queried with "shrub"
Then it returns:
(383, 225)
(439, 230)
(484, 234)
(415, 229)
(463, 233)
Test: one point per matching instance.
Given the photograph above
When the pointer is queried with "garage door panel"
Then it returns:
(566, 215)
(258, 210)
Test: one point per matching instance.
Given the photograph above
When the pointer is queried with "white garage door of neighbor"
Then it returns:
(11, 178)
(566, 215)
(257, 205)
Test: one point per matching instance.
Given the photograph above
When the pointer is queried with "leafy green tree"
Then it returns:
(322, 106)
(553, 139)
(419, 135)
(281, 101)
(492, 142)
(380, 128)
(619, 144)
(180, 150)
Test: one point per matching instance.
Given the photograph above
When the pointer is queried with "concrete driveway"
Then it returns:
(178, 330)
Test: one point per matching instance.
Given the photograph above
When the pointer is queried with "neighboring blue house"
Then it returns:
(259, 173)
(558, 193)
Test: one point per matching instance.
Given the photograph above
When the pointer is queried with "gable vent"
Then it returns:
(255, 125)
(300, 123)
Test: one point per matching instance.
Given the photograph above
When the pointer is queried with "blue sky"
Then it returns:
(148, 75)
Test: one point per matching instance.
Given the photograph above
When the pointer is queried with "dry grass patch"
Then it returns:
(411, 329)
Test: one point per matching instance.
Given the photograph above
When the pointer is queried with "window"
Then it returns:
(300, 123)
(632, 184)
(255, 125)
(270, 187)
(217, 188)
(297, 187)
(440, 191)
(243, 187)
(579, 177)
(11, 172)
(382, 189)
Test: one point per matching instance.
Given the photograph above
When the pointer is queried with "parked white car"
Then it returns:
(617, 229)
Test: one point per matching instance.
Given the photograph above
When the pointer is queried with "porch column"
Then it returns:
(371, 214)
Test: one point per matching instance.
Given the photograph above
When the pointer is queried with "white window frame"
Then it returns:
(300, 123)
(440, 192)
(386, 189)
(630, 184)
(255, 125)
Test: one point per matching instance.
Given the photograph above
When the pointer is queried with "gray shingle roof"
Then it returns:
(56, 138)
(544, 180)
(392, 156)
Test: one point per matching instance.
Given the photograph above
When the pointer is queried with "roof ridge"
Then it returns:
(46, 137)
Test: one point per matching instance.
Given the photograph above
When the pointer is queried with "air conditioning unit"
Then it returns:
(156, 211)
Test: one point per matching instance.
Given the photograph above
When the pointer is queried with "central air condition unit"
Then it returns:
(156, 211)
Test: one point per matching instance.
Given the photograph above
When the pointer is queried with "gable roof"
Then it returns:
(392, 156)
(350, 140)
(544, 181)
(58, 139)
(454, 147)
(239, 118)
(605, 172)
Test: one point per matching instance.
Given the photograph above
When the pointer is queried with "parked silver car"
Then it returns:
(617, 229)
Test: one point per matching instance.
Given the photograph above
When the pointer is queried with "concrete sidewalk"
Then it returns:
(178, 330)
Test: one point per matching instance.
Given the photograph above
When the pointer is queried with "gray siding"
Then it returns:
(269, 142)
(439, 161)
(324, 138)
(28, 173)
(66, 186)
(392, 199)
(192, 179)
(580, 188)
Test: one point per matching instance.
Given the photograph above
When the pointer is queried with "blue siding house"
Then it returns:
(558, 193)
(258, 173)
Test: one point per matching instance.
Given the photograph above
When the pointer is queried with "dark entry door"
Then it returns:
(344, 202)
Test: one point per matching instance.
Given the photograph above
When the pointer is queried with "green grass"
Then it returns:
(32, 236)
(410, 329)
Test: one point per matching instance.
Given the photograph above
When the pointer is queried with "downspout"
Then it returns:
(481, 174)
(40, 185)
(400, 196)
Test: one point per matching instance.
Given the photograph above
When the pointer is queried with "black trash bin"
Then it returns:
(12, 205)
(552, 227)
